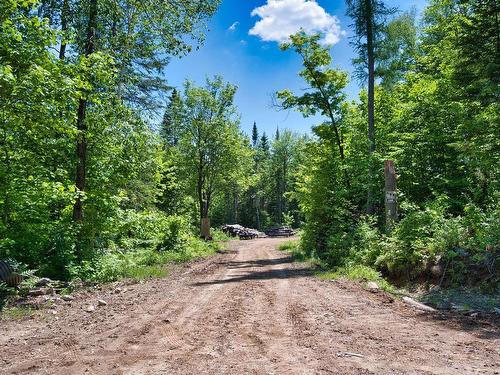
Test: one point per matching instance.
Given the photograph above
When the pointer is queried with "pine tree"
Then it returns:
(255, 135)
(170, 124)
(264, 144)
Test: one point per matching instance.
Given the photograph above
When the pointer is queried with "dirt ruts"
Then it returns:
(248, 311)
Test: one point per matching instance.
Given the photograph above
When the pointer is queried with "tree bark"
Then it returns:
(257, 211)
(391, 202)
(81, 125)
(5, 188)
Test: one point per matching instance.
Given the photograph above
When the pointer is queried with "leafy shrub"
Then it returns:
(367, 243)
(142, 263)
(421, 237)
(175, 235)
(467, 247)
(338, 245)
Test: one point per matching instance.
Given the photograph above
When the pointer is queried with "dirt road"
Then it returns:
(249, 311)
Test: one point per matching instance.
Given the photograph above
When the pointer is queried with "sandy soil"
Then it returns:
(249, 311)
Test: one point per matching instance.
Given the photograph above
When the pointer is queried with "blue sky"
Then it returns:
(248, 55)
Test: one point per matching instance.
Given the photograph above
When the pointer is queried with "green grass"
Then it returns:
(293, 247)
(289, 245)
(146, 272)
(358, 273)
(16, 313)
(144, 264)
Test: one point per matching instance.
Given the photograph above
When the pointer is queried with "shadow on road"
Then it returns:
(485, 326)
(257, 263)
(246, 274)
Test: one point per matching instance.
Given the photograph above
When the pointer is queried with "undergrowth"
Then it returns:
(353, 272)
(144, 263)
(358, 273)
(118, 262)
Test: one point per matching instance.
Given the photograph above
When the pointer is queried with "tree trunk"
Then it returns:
(235, 203)
(5, 188)
(81, 147)
(257, 211)
(205, 228)
(391, 202)
(280, 199)
(285, 173)
(371, 101)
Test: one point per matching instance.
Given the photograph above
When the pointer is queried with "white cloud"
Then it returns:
(233, 26)
(282, 18)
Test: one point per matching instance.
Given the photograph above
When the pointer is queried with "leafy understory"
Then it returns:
(355, 272)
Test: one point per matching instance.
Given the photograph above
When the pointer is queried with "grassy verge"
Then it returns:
(357, 273)
(461, 298)
(293, 247)
(16, 313)
(144, 264)
(116, 265)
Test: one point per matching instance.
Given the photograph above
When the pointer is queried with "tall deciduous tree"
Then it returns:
(282, 163)
(325, 92)
(369, 21)
(397, 50)
(139, 37)
(211, 145)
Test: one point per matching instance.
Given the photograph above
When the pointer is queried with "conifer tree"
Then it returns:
(255, 135)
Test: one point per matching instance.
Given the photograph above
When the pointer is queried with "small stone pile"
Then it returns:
(46, 286)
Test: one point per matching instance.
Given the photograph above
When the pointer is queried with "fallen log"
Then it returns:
(418, 305)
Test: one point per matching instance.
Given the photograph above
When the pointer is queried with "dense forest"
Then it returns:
(100, 175)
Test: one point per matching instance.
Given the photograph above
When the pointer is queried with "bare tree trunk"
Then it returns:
(199, 189)
(371, 101)
(391, 202)
(285, 172)
(280, 199)
(257, 210)
(81, 147)
(235, 203)
(5, 189)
